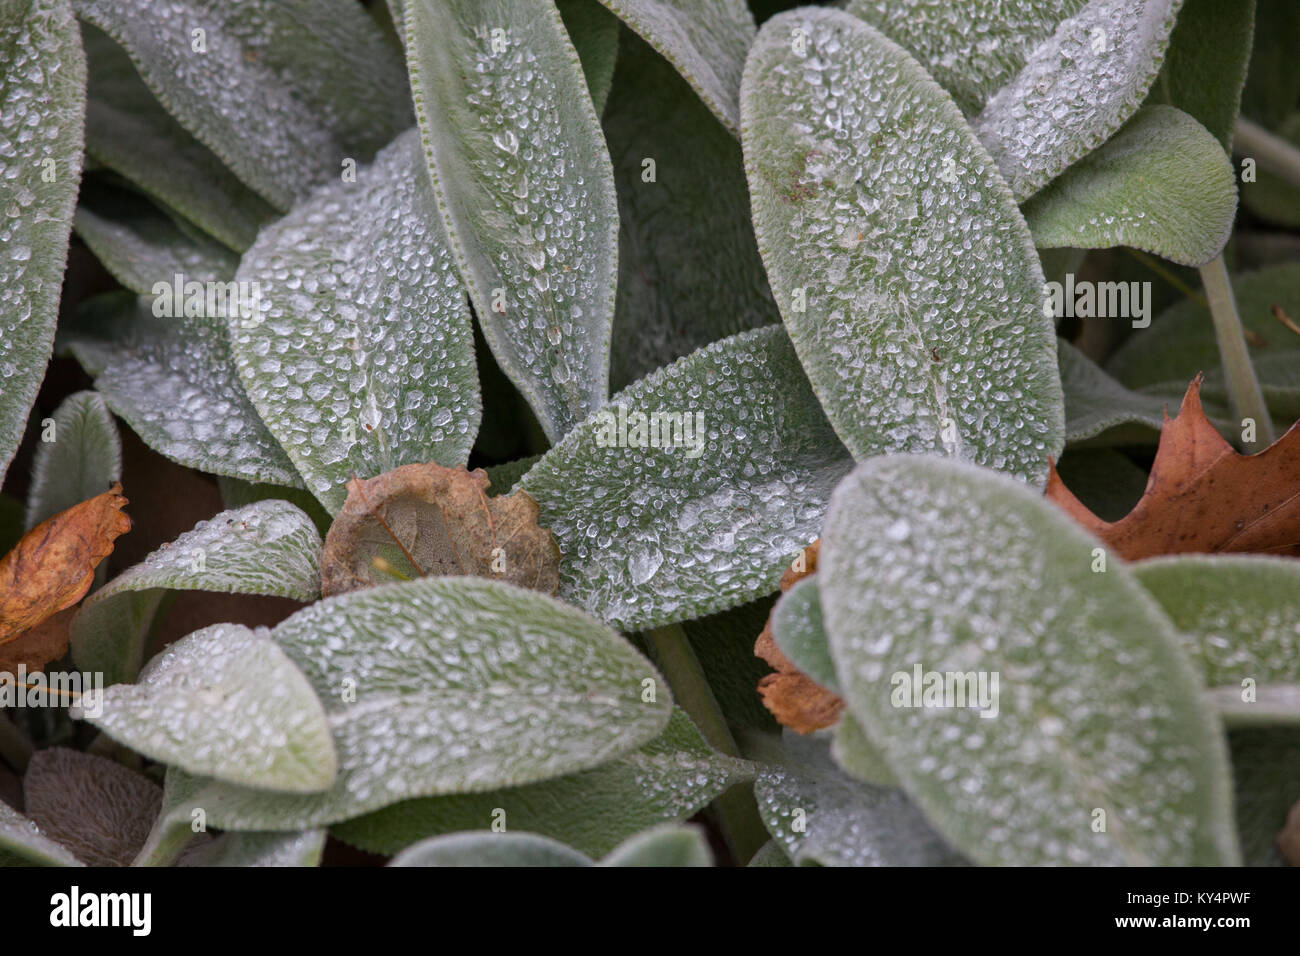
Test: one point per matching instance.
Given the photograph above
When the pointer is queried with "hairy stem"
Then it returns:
(1243, 388)
(736, 812)
(1271, 152)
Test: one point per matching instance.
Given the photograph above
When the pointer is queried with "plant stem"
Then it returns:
(1243, 388)
(1271, 152)
(1166, 274)
(737, 813)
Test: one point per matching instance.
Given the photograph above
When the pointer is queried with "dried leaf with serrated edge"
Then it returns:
(53, 565)
(1203, 496)
(794, 698)
(420, 520)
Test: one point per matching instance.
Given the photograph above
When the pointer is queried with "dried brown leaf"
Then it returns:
(1202, 496)
(53, 565)
(420, 520)
(795, 699)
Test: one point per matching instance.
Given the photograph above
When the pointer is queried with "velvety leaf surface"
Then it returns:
(259, 849)
(972, 49)
(707, 44)
(490, 849)
(82, 460)
(283, 93)
(650, 535)
(1077, 88)
(173, 380)
(361, 357)
(798, 630)
(1095, 403)
(1239, 615)
(129, 132)
(42, 96)
(1162, 183)
(228, 703)
(671, 778)
(594, 31)
(1205, 65)
(446, 685)
(689, 269)
(901, 265)
(668, 845)
(269, 548)
(819, 815)
(526, 190)
(938, 566)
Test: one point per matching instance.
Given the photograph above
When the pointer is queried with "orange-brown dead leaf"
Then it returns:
(1202, 496)
(53, 565)
(794, 699)
(421, 520)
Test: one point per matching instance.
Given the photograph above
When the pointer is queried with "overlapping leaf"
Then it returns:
(269, 548)
(442, 686)
(42, 97)
(525, 186)
(228, 703)
(708, 514)
(934, 565)
(1162, 183)
(670, 778)
(283, 93)
(1076, 88)
(173, 380)
(360, 356)
(861, 170)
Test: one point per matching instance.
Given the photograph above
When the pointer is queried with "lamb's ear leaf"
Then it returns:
(303, 848)
(798, 630)
(1162, 183)
(1076, 89)
(226, 702)
(518, 163)
(141, 245)
(1180, 343)
(129, 132)
(172, 379)
(269, 548)
(81, 458)
(1266, 769)
(901, 265)
(1040, 645)
(283, 93)
(1205, 66)
(1237, 615)
(466, 724)
(23, 844)
(670, 778)
(673, 205)
(668, 845)
(707, 516)
(594, 32)
(707, 44)
(1272, 81)
(42, 88)
(485, 848)
(770, 854)
(819, 815)
(236, 494)
(376, 368)
(858, 756)
(972, 49)
(1096, 404)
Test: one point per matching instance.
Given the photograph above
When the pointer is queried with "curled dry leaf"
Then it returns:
(47, 641)
(795, 699)
(420, 520)
(1202, 496)
(52, 566)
